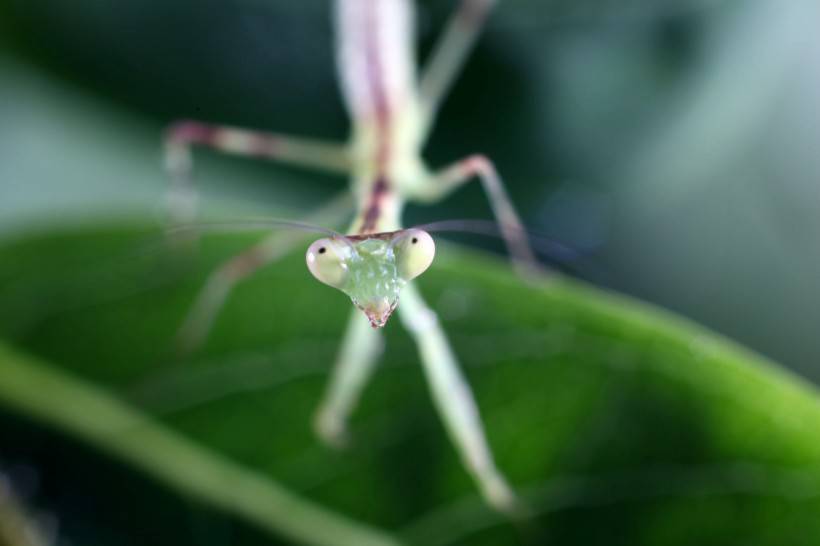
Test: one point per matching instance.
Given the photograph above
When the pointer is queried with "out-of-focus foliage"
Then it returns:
(618, 424)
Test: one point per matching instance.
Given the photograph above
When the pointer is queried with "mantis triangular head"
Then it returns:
(372, 269)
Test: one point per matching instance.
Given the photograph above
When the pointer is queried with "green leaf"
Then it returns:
(617, 423)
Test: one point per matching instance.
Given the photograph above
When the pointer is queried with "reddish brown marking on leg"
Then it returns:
(188, 131)
(265, 145)
(477, 164)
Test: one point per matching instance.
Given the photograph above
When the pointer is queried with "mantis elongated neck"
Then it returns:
(375, 45)
(379, 208)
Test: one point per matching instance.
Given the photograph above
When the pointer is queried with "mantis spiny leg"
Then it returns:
(452, 397)
(183, 135)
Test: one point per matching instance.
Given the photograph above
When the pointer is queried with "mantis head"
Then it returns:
(372, 270)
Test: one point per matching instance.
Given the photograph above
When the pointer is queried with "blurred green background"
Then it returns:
(674, 144)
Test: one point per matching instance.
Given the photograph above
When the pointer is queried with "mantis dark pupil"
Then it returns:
(415, 240)
(322, 250)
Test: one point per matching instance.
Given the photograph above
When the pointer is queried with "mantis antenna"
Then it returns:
(251, 224)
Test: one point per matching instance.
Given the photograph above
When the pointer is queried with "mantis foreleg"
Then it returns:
(453, 398)
(361, 348)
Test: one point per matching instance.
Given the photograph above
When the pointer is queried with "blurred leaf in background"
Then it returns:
(617, 424)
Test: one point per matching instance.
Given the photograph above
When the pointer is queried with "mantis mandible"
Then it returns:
(392, 112)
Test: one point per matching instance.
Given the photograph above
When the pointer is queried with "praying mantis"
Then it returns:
(392, 112)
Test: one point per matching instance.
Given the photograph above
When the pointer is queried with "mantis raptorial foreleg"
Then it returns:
(211, 298)
(183, 135)
(453, 398)
(512, 229)
(361, 348)
(449, 56)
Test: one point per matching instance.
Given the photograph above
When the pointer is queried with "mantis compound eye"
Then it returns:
(414, 250)
(327, 261)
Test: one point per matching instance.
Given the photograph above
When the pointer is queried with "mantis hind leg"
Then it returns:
(449, 56)
(360, 350)
(454, 400)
